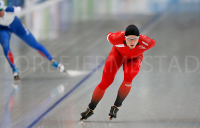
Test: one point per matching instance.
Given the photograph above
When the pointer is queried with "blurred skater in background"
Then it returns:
(128, 48)
(10, 23)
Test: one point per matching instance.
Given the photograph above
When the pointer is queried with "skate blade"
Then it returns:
(16, 82)
(74, 73)
(81, 122)
(65, 72)
(110, 125)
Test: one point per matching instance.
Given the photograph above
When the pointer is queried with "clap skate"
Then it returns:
(86, 114)
(113, 112)
(16, 74)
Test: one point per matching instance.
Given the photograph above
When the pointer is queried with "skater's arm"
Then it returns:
(113, 37)
(149, 43)
(13, 9)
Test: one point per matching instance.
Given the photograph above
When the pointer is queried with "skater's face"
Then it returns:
(131, 41)
(2, 13)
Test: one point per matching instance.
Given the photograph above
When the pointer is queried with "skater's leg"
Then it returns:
(113, 63)
(131, 69)
(5, 40)
(21, 31)
(30, 40)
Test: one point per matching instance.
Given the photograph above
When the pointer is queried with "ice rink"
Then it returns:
(165, 94)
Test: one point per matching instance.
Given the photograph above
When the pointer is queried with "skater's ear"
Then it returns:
(2, 13)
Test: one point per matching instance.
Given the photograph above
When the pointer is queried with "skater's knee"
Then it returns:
(106, 82)
(33, 44)
(38, 46)
(104, 85)
(128, 77)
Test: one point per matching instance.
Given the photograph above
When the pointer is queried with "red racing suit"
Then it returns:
(122, 54)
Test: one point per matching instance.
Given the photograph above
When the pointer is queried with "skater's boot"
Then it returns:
(113, 112)
(58, 66)
(86, 114)
(16, 74)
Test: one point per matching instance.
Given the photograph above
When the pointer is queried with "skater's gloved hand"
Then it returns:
(151, 42)
(143, 38)
(17, 9)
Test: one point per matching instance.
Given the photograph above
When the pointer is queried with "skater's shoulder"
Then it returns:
(116, 37)
(9, 15)
(119, 34)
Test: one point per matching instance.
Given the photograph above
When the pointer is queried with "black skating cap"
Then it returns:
(132, 30)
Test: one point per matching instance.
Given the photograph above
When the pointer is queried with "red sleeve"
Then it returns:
(113, 37)
(149, 43)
